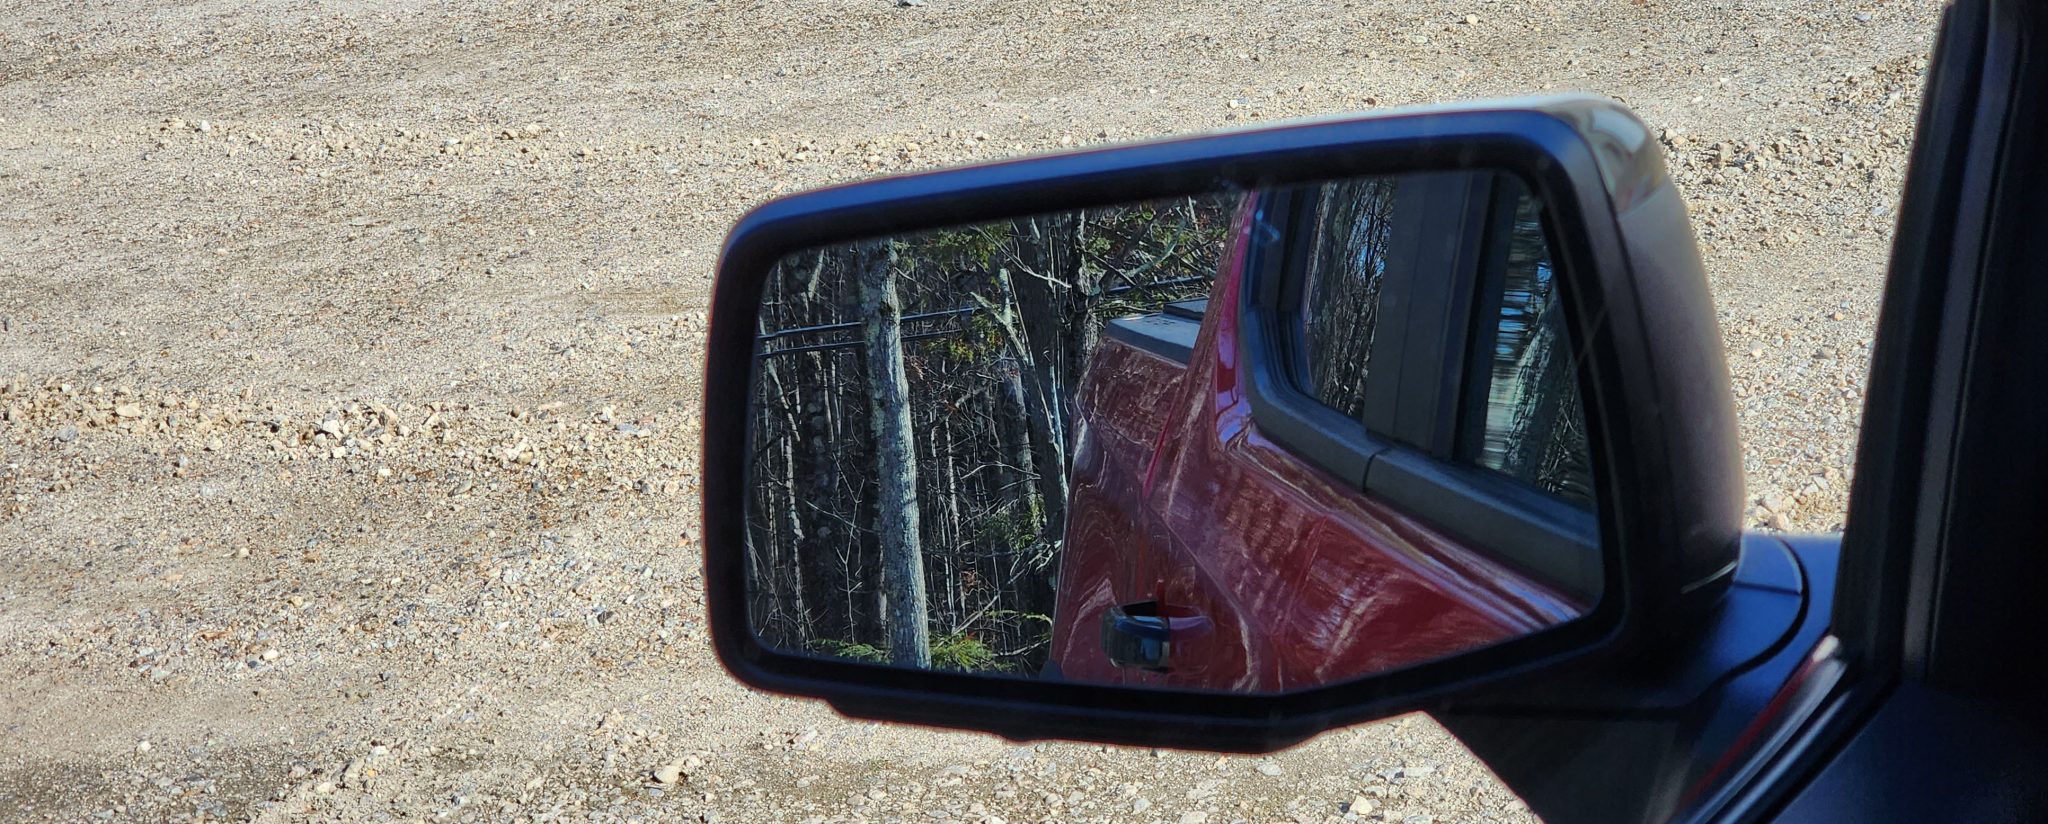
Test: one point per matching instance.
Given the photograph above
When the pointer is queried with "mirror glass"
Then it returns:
(1042, 447)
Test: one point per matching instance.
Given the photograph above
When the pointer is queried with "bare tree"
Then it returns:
(895, 457)
(910, 439)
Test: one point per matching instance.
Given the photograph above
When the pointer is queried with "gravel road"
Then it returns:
(349, 351)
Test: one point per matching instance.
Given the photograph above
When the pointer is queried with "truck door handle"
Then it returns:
(1142, 635)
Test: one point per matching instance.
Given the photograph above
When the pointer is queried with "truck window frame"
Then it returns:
(1404, 451)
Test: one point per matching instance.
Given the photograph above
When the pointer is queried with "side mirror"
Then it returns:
(1223, 441)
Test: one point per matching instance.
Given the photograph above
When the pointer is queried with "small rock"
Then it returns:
(908, 3)
(324, 788)
(669, 773)
(1471, 20)
(332, 427)
(1269, 768)
(271, 654)
(1194, 817)
(67, 434)
(142, 746)
(129, 410)
(1360, 805)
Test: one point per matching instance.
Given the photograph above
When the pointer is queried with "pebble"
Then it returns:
(128, 410)
(1269, 768)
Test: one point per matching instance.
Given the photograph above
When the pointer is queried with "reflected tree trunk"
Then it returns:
(913, 397)
(790, 578)
(1021, 471)
(895, 458)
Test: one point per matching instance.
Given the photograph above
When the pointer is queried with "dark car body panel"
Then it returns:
(1655, 734)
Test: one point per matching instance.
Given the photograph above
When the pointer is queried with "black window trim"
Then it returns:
(1273, 368)
(1405, 451)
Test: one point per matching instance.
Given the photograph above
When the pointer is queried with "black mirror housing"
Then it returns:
(1654, 378)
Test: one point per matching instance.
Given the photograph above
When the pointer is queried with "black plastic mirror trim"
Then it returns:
(1593, 160)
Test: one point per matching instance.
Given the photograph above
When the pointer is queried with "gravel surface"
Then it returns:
(349, 354)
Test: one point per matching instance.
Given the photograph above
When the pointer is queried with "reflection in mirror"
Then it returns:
(1024, 447)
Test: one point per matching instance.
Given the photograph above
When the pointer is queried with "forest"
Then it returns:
(910, 442)
(911, 418)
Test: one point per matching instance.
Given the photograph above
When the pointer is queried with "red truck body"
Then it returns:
(1282, 576)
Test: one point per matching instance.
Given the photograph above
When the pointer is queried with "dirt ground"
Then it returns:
(349, 357)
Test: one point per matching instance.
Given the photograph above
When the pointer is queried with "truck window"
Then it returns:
(1527, 422)
(1347, 262)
